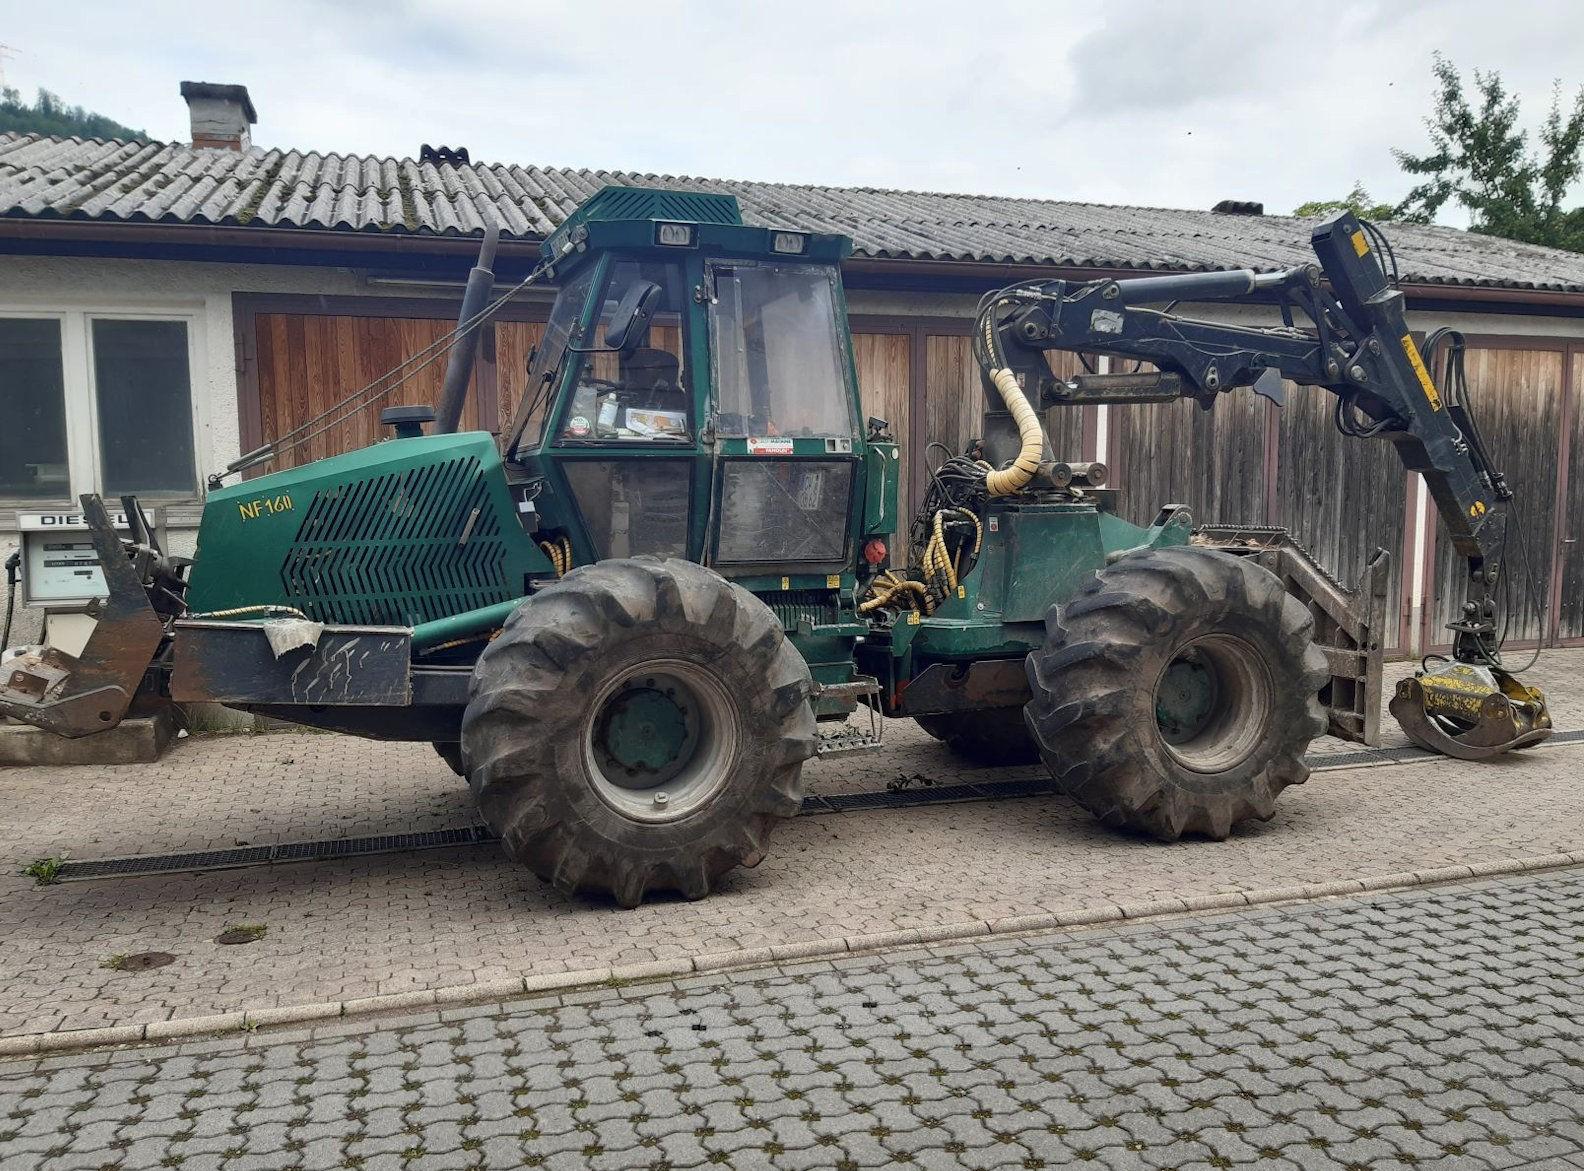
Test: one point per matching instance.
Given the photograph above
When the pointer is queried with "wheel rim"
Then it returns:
(660, 740)
(1213, 703)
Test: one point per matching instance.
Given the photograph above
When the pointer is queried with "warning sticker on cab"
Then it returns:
(1425, 380)
(769, 445)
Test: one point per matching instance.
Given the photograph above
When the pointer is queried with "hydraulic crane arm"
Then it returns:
(1356, 344)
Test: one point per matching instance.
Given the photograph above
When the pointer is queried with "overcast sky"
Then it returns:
(1128, 101)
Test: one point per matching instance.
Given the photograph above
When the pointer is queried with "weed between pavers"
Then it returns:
(45, 871)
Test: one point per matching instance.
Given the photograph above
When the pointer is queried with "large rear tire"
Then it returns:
(639, 725)
(995, 736)
(1177, 693)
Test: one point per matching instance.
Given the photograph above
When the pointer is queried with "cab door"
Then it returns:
(621, 442)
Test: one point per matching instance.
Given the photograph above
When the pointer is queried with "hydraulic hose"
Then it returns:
(560, 553)
(1013, 479)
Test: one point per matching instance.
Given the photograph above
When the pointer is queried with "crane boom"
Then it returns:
(1357, 345)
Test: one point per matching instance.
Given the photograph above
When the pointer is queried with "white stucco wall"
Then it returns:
(198, 290)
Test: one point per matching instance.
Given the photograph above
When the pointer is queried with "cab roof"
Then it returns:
(630, 217)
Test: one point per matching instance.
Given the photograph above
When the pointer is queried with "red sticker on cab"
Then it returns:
(770, 445)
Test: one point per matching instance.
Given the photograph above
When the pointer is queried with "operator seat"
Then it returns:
(653, 377)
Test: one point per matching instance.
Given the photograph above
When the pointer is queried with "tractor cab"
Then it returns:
(693, 394)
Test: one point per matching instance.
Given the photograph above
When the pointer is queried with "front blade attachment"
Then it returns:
(1470, 711)
(80, 695)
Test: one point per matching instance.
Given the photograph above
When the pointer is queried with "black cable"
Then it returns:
(1520, 530)
(349, 405)
(13, 568)
(1383, 252)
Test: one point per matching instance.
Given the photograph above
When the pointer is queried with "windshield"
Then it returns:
(547, 358)
(636, 393)
(780, 367)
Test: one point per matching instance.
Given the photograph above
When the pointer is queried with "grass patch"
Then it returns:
(44, 871)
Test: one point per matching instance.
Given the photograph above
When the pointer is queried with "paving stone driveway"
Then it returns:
(1433, 1028)
(374, 925)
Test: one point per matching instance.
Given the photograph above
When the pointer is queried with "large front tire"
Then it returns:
(1177, 693)
(639, 725)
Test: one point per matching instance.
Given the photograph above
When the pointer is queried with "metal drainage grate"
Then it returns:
(1406, 754)
(814, 805)
(144, 864)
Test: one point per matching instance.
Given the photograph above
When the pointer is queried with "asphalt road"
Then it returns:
(1441, 1027)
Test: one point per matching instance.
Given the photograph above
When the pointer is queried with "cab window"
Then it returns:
(547, 357)
(632, 386)
(780, 368)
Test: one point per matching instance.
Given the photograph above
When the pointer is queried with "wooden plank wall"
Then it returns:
(953, 402)
(884, 362)
(1517, 398)
(1343, 498)
(514, 342)
(1241, 462)
(1570, 576)
(1246, 461)
(1175, 453)
(307, 362)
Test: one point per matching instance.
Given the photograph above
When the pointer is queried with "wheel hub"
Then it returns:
(645, 732)
(1213, 703)
(1186, 697)
(661, 740)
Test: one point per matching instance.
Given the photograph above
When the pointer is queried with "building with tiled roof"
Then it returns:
(167, 306)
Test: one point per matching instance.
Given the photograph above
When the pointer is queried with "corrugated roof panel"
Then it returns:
(99, 179)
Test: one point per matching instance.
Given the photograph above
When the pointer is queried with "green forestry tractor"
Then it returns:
(682, 573)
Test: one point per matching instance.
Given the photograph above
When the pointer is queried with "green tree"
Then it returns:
(1480, 159)
(49, 115)
(1357, 201)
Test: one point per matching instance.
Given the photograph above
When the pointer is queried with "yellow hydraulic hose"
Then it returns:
(560, 553)
(937, 559)
(888, 588)
(978, 528)
(1004, 483)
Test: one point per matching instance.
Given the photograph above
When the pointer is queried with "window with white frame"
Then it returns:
(96, 402)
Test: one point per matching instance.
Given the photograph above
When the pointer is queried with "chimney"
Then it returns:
(220, 114)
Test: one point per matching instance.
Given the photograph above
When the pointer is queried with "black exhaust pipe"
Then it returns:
(459, 368)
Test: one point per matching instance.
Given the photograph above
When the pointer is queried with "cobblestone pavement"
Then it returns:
(1433, 1028)
(397, 923)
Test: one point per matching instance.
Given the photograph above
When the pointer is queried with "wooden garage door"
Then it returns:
(308, 362)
